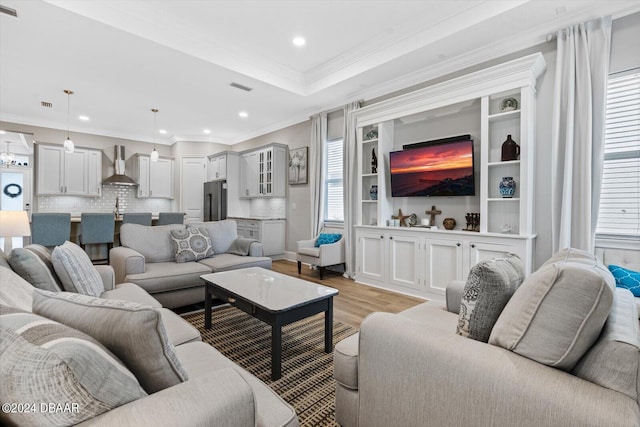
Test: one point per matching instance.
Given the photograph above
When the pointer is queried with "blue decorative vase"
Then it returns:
(373, 192)
(507, 187)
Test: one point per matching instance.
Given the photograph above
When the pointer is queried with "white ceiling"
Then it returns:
(122, 58)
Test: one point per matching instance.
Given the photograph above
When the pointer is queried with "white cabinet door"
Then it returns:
(161, 179)
(272, 237)
(50, 174)
(371, 256)
(217, 168)
(482, 251)
(193, 176)
(249, 175)
(94, 173)
(75, 171)
(404, 261)
(443, 263)
(143, 166)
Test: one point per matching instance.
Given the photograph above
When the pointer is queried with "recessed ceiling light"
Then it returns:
(299, 41)
(162, 131)
(84, 118)
(243, 114)
(206, 131)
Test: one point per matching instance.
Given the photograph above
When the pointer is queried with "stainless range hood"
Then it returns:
(119, 177)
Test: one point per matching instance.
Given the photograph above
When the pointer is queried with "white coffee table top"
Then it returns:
(268, 289)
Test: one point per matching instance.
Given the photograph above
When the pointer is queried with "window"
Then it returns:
(332, 185)
(620, 198)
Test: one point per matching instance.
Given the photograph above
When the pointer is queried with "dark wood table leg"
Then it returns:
(328, 327)
(276, 349)
(207, 306)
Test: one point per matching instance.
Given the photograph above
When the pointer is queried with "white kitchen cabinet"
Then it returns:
(155, 179)
(422, 262)
(270, 232)
(217, 167)
(264, 172)
(70, 174)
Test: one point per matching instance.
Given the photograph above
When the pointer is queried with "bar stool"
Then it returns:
(142, 218)
(166, 218)
(97, 229)
(50, 229)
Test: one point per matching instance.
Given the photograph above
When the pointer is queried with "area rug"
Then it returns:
(307, 381)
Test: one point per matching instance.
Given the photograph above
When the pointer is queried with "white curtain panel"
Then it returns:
(578, 132)
(350, 187)
(318, 136)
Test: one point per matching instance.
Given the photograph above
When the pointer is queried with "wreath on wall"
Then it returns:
(12, 190)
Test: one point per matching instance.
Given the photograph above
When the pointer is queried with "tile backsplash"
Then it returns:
(127, 197)
(268, 208)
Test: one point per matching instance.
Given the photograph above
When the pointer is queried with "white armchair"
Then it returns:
(323, 256)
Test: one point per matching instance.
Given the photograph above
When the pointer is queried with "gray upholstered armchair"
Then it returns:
(322, 256)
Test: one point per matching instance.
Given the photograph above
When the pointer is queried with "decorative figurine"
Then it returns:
(449, 223)
(507, 187)
(473, 222)
(433, 212)
(374, 161)
(401, 218)
(508, 104)
(510, 150)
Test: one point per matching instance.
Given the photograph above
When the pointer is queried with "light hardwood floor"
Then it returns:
(355, 301)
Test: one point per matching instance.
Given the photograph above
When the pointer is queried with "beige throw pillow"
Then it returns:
(133, 332)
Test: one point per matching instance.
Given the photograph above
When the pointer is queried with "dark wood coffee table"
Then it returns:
(274, 298)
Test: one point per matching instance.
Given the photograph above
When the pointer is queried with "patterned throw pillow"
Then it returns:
(76, 271)
(191, 244)
(45, 361)
(489, 287)
(326, 239)
(134, 332)
(627, 279)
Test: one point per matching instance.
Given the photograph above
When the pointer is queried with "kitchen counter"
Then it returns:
(118, 218)
(256, 218)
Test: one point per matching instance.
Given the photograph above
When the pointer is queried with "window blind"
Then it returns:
(333, 181)
(619, 212)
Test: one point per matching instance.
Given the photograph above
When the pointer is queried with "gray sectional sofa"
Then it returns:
(216, 393)
(146, 257)
(412, 369)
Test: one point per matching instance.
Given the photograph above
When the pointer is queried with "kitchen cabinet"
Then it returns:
(264, 172)
(422, 262)
(218, 166)
(270, 232)
(155, 179)
(69, 174)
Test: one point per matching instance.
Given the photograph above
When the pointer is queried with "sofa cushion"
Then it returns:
(169, 276)
(14, 290)
(199, 358)
(345, 362)
(489, 287)
(614, 360)
(222, 233)
(76, 271)
(224, 262)
(31, 268)
(626, 279)
(133, 332)
(179, 331)
(152, 242)
(557, 313)
(191, 244)
(132, 293)
(44, 361)
(572, 255)
(313, 252)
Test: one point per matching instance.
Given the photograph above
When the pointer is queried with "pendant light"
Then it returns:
(154, 154)
(68, 143)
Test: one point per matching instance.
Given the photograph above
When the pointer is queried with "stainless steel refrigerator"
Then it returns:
(215, 200)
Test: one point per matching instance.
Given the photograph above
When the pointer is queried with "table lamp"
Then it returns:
(13, 224)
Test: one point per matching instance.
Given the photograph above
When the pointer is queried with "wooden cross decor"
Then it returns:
(402, 218)
(433, 212)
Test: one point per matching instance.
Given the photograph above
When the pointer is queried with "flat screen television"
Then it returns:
(439, 169)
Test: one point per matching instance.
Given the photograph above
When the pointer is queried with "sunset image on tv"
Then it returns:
(436, 170)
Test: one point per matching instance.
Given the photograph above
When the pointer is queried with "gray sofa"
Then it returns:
(217, 392)
(412, 369)
(145, 257)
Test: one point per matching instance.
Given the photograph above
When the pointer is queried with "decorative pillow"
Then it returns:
(191, 244)
(241, 246)
(14, 290)
(614, 360)
(489, 287)
(326, 239)
(222, 233)
(46, 362)
(31, 267)
(133, 332)
(557, 313)
(627, 279)
(75, 270)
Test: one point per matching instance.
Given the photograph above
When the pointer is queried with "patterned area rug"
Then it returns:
(307, 381)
